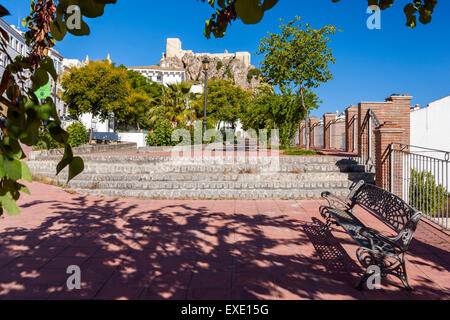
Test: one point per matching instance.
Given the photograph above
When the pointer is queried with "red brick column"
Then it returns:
(351, 127)
(312, 122)
(395, 109)
(384, 136)
(400, 114)
(327, 118)
(301, 138)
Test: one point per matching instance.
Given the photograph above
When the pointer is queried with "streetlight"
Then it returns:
(205, 70)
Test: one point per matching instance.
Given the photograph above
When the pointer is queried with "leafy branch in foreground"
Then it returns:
(424, 8)
(22, 113)
(252, 12)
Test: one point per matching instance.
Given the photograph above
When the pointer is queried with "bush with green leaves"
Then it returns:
(161, 135)
(253, 73)
(46, 142)
(78, 134)
(426, 194)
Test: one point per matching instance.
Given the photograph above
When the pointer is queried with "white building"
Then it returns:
(161, 74)
(17, 46)
(430, 126)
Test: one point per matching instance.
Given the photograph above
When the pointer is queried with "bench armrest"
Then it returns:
(335, 201)
(366, 232)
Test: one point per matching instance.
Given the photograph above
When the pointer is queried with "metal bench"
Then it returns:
(376, 249)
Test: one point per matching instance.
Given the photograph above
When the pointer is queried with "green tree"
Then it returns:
(174, 103)
(225, 103)
(142, 84)
(137, 106)
(161, 134)
(297, 58)
(282, 111)
(98, 88)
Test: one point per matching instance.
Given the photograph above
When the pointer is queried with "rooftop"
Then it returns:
(156, 68)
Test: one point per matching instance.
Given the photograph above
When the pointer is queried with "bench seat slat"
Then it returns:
(350, 224)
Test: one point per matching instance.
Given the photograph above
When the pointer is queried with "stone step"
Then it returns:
(307, 176)
(206, 185)
(222, 194)
(151, 159)
(44, 167)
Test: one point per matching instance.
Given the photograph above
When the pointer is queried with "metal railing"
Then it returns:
(421, 177)
(368, 125)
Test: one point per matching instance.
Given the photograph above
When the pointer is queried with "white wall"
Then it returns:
(138, 138)
(430, 126)
(99, 126)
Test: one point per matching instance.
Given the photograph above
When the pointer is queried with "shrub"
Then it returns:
(425, 194)
(46, 142)
(78, 134)
(228, 72)
(161, 135)
(219, 65)
(253, 73)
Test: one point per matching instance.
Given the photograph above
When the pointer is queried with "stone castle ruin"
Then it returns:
(227, 66)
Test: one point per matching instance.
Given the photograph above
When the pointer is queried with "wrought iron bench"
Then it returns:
(376, 249)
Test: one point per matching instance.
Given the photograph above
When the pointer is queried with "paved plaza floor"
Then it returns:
(151, 249)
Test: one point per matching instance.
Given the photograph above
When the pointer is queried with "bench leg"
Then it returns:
(328, 221)
(397, 268)
(400, 272)
(362, 280)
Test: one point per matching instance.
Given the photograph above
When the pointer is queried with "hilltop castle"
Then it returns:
(179, 65)
(174, 50)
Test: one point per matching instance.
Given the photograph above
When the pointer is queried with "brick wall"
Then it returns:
(384, 136)
(337, 132)
(351, 128)
(395, 110)
(327, 119)
(301, 138)
(313, 121)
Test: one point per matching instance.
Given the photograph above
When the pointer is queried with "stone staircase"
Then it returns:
(159, 177)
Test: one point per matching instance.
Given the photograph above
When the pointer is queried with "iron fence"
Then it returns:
(366, 138)
(421, 177)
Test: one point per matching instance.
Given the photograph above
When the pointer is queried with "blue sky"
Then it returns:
(371, 64)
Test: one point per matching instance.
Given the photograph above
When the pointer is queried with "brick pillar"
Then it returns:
(384, 136)
(351, 129)
(313, 121)
(327, 118)
(400, 114)
(301, 138)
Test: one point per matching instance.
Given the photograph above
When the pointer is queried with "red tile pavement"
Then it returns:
(151, 249)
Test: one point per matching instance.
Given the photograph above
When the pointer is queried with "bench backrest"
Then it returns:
(390, 208)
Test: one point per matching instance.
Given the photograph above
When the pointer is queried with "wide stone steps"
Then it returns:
(132, 168)
(221, 194)
(163, 177)
(207, 160)
(210, 185)
(155, 177)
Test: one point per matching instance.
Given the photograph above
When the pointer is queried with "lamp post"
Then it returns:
(205, 71)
